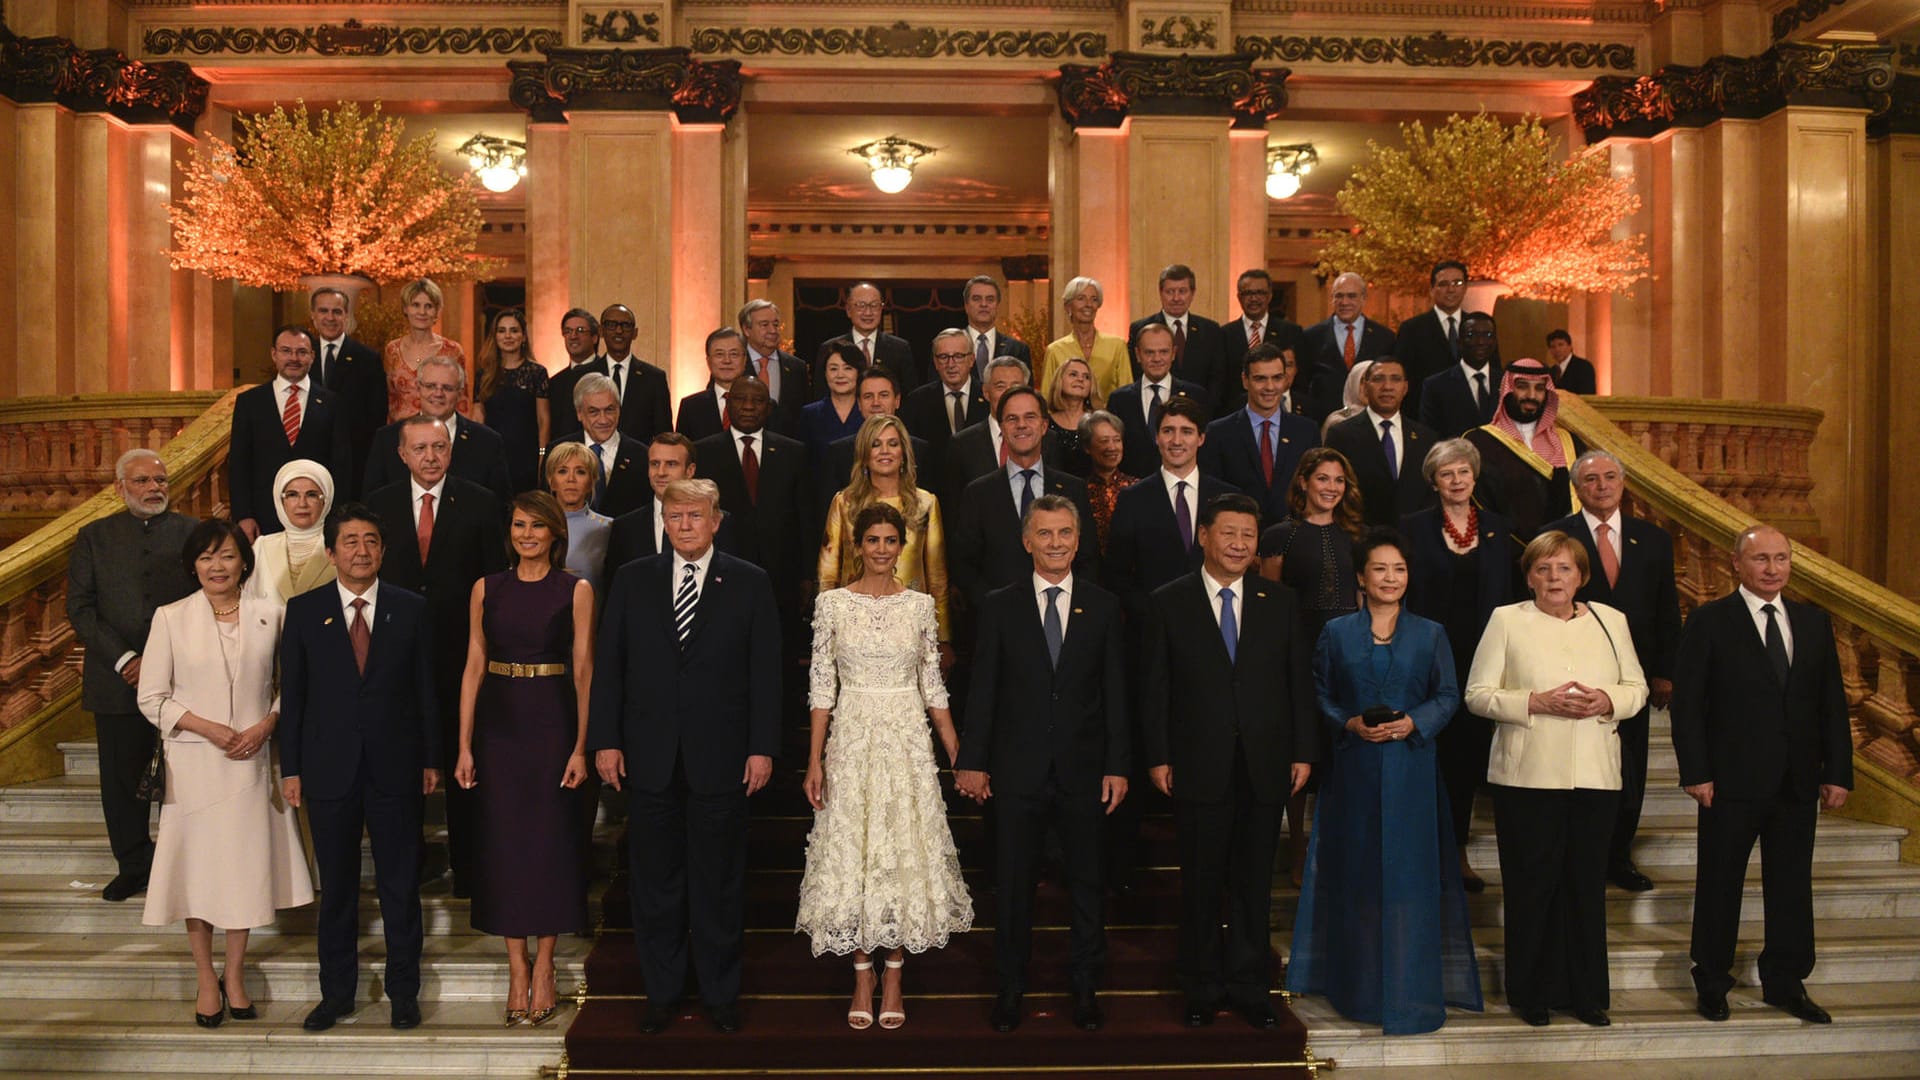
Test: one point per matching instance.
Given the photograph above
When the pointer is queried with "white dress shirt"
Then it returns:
(626, 365)
(1192, 480)
(1526, 432)
(1255, 328)
(1456, 315)
(993, 432)
(371, 596)
(659, 524)
(1065, 605)
(680, 564)
(280, 388)
(1146, 397)
(434, 491)
(740, 446)
(1175, 323)
(965, 390)
(1613, 533)
(720, 399)
(1213, 598)
(320, 365)
(1397, 433)
(1474, 374)
(609, 453)
(866, 343)
(1760, 618)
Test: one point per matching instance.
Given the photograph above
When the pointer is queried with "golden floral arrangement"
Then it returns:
(1031, 325)
(345, 194)
(1499, 198)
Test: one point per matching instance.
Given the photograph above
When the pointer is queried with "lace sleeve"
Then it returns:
(932, 689)
(821, 685)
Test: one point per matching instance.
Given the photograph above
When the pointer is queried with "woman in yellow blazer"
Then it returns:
(1104, 353)
(1556, 676)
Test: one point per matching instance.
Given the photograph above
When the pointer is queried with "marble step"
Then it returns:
(1849, 1066)
(159, 1038)
(70, 798)
(1665, 840)
(82, 758)
(1648, 1025)
(280, 967)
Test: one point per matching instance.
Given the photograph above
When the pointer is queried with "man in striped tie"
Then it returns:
(688, 732)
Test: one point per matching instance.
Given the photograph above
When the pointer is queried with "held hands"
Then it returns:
(1570, 700)
(463, 770)
(1162, 778)
(1391, 731)
(974, 784)
(612, 767)
(576, 773)
(247, 743)
(815, 785)
(1113, 791)
(759, 769)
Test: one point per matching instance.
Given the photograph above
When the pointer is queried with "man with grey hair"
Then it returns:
(1632, 564)
(123, 566)
(953, 401)
(479, 454)
(979, 450)
(1328, 350)
(784, 374)
(622, 485)
(864, 310)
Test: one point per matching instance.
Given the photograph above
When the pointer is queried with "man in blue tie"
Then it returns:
(1386, 448)
(986, 542)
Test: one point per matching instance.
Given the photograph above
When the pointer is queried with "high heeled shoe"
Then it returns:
(217, 1017)
(238, 1012)
(861, 1019)
(890, 1020)
(536, 1017)
(512, 1015)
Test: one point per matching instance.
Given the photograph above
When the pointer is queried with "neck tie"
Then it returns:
(750, 468)
(1051, 624)
(1003, 449)
(327, 374)
(359, 634)
(684, 603)
(1179, 339)
(600, 478)
(959, 418)
(1153, 411)
(423, 530)
(1480, 396)
(1253, 335)
(290, 416)
(618, 371)
(1346, 351)
(1026, 491)
(726, 414)
(1776, 644)
(980, 357)
(1229, 627)
(1453, 337)
(866, 347)
(1386, 447)
(1183, 517)
(1609, 559)
(1266, 451)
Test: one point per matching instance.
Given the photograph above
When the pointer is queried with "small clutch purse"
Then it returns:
(153, 779)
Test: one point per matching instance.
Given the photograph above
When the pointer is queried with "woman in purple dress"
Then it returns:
(523, 731)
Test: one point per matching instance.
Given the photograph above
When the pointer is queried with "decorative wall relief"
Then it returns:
(1791, 73)
(898, 41)
(99, 80)
(1179, 32)
(618, 26)
(1184, 85)
(351, 38)
(1439, 50)
(697, 91)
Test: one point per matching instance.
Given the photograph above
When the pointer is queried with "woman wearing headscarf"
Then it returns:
(294, 560)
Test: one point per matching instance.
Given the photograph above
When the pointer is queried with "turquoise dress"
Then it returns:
(1382, 928)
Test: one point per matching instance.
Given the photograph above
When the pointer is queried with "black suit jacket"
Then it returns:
(1144, 547)
(777, 532)
(1197, 705)
(1004, 344)
(1384, 499)
(1232, 452)
(984, 551)
(1203, 360)
(1422, 346)
(121, 569)
(627, 486)
(1430, 565)
(1233, 336)
(337, 723)
(1645, 595)
(1736, 726)
(645, 408)
(258, 447)
(925, 413)
(479, 455)
(1580, 377)
(700, 704)
(1447, 402)
(1026, 717)
(631, 536)
(359, 379)
(1140, 455)
(1323, 366)
(970, 455)
(699, 415)
(796, 391)
(889, 351)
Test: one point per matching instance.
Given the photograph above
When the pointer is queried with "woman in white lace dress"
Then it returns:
(882, 873)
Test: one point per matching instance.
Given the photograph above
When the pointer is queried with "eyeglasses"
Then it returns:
(864, 305)
(617, 324)
(576, 331)
(1450, 284)
(953, 356)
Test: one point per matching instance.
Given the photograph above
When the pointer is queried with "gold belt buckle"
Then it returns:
(521, 671)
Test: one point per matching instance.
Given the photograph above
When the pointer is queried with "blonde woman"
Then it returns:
(421, 302)
(290, 562)
(1075, 395)
(572, 472)
(884, 472)
(1105, 354)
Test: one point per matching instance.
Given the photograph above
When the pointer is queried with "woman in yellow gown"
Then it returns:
(884, 471)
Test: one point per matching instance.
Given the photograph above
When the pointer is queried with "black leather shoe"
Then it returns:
(1712, 1006)
(1257, 1014)
(406, 1014)
(1087, 1013)
(325, 1013)
(1593, 1017)
(1799, 1005)
(122, 888)
(1630, 878)
(726, 1018)
(1006, 1011)
(237, 1012)
(218, 1017)
(656, 1018)
(1200, 1013)
(1534, 1017)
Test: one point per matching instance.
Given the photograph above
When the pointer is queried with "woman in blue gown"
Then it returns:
(1382, 927)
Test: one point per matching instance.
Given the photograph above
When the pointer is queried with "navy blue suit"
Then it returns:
(1140, 455)
(258, 447)
(1232, 452)
(1447, 402)
(359, 742)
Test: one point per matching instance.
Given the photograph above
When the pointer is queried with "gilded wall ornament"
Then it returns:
(1791, 73)
(898, 41)
(697, 91)
(1147, 84)
(1792, 18)
(1439, 50)
(1179, 32)
(351, 38)
(99, 80)
(619, 26)
(1903, 111)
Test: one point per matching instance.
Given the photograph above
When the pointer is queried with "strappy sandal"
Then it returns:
(890, 1020)
(861, 1019)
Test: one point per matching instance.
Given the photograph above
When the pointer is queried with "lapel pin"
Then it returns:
(328, 622)
(1631, 540)
(1079, 611)
(1261, 595)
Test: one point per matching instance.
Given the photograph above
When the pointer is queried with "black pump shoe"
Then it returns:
(238, 1012)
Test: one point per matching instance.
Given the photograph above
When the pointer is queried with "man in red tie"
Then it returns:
(1257, 448)
(1328, 350)
(707, 410)
(1259, 324)
(865, 308)
(279, 421)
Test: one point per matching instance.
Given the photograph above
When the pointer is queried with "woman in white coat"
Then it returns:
(1556, 676)
(294, 560)
(228, 853)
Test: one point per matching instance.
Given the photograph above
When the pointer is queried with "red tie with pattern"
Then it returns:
(290, 416)
(423, 532)
(750, 468)
(1253, 337)
(1266, 450)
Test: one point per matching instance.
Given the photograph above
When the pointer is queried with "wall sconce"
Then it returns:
(1286, 165)
(892, 160)
(499, 163)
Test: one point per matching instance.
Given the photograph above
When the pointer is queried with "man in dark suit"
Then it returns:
(471, 527)
(984, 341)
(289, 418)
(639, 533)
(1153, 536)
(1386, 449)
(351, 371)
(1199, 350)
(1463, 396)
(1047, 738)
(1138, 403)
(986, 544)
(479, 454)
(878, 395)
(950, 403)
(580, 332)
(1229, 741)
(1257, 325)
(1431, 342)
(645, 403)
(879, 347)
(1760, 727)
(1328, 350)
(785, 374)
(689, 731)
(766, 494)
(124, 566)
(623, 483)
(1570, 372)
(705, 411)
(975, 451)
(1632, 562)
(359, 748)
(1257, 447)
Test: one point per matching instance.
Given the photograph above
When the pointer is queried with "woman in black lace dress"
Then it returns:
(510, 396)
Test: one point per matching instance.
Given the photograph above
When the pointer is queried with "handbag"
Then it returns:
(152, 786)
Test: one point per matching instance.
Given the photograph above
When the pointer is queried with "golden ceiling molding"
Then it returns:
(39, 69)
(697, 91)
(619, 26)
(899, 41)
(351, 38)
(1749, 87)
(1583, 12)
(1102, 96)
(1438, 50)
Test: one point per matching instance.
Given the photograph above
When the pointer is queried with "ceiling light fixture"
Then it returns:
(499, 163)
(892, 160)
(1286, 165)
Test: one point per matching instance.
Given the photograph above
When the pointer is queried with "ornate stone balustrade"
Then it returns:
(58, 452)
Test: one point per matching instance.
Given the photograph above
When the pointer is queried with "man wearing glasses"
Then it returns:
(1258, 325)
(876, 345)
(645, 410)
(1430, 342)
(278, 421)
